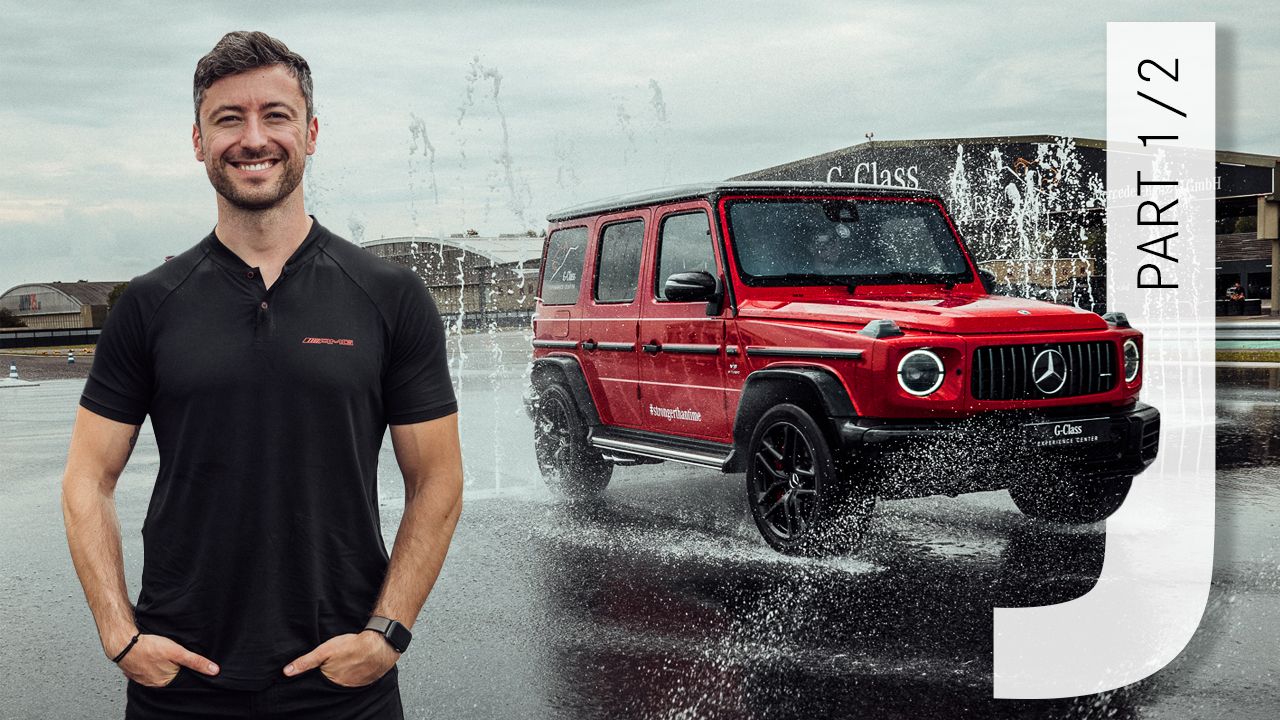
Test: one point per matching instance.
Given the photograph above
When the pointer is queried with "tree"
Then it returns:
(115, 294)
(8, 319)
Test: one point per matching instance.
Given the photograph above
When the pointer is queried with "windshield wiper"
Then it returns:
(805, 279)
(851, 282)
(913, 278)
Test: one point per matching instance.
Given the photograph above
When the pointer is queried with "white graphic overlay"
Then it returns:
(1160, 258)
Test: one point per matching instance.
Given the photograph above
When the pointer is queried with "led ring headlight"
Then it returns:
(1132, 360)
(921, 372)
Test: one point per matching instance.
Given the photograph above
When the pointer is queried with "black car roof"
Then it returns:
(708, 190)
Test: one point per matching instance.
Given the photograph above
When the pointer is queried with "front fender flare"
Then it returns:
(811, 386)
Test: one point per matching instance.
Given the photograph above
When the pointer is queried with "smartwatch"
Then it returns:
(397, 635)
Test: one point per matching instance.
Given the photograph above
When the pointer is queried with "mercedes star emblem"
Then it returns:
(1049, 371)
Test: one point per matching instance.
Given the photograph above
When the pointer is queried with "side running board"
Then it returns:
(702, 453)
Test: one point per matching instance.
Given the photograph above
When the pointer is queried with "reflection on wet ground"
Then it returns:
(661, 601)
(904, 628)
(666, 604)
(1248, 424)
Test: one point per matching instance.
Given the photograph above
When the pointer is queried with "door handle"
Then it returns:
(652, 347)
(589, 345)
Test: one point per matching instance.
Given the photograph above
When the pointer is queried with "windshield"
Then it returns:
(844, 241)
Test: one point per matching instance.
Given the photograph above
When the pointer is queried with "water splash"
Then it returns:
(661, 130)
(644, 135)
(315, 189)
(1035, 221)
(566, 156)
(656, 101)
(623, 119)
(519, 197)
(418, 133)
(465, 175)
(356, 226)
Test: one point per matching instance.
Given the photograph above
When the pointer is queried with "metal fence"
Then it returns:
(47, 338)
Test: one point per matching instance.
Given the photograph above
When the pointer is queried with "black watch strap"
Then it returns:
(397, 635)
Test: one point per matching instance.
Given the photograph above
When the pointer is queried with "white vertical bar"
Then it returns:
(1159, 551)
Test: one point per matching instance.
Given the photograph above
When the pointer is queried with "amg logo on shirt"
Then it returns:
(327, 341)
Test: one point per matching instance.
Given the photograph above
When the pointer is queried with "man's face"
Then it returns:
(253, 137)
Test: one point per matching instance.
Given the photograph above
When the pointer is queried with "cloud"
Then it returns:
(95, 125)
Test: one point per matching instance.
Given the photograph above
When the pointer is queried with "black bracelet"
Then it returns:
(126, 649)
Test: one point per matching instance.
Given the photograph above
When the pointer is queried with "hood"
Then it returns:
(945, 313)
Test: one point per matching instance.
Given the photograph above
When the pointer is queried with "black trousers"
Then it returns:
(310, 695)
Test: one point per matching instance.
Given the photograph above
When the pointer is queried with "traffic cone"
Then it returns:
(13, 371)
(71, 359)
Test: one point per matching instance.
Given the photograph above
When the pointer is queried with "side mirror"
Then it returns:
(988, 281)
(695, 286)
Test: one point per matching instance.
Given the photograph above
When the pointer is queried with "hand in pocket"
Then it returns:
(155, 661)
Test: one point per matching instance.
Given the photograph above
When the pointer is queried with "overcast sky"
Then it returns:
(440, 117)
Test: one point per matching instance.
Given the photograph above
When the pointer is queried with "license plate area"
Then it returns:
(1068, 433)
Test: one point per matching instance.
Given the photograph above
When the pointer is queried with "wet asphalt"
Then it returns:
(661, 601)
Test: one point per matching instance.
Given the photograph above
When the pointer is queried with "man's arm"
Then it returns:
(99, 450)
(430, 458)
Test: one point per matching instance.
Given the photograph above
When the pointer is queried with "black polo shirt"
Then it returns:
(269, 406)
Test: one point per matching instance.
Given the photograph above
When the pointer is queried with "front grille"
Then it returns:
(1005, 372)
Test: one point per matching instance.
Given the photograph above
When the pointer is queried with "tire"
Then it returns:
(1073, 500)
(798, 499)
(569, 466)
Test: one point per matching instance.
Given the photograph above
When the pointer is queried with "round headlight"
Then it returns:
(920, 372)
(1132, 360)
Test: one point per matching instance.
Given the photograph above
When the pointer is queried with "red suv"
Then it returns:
(836, 343)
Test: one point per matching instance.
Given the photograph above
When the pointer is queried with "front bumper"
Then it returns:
(995, 450)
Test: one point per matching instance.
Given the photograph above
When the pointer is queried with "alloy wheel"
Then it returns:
(554, 445)
(785, 482)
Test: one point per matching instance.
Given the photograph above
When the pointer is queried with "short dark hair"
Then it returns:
(243, 50)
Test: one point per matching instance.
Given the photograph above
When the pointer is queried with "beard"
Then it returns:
(259, 197)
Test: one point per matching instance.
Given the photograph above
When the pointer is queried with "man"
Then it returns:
(271, 357)
(829, 253)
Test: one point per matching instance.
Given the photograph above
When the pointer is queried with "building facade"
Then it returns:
(476, 281)
(58, 305)
(1033, 208)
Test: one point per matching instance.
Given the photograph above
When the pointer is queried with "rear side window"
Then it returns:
(562, 271)
(685, 246)
(618, 273)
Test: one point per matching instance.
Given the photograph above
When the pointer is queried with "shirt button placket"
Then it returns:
(262, 328)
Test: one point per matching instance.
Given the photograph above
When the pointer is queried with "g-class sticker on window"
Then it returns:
(566, 250)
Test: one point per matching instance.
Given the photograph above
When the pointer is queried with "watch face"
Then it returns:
(399, 636)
